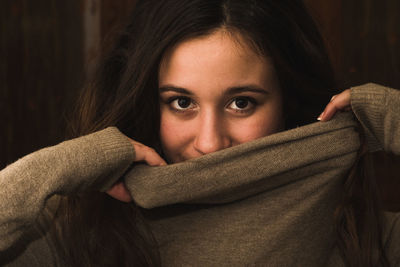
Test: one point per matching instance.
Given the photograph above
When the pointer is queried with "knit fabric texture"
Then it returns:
(268, 202)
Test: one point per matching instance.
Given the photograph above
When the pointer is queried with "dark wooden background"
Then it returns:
(48, 47)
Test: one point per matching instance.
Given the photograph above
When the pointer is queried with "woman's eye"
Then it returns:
(181, 103)
(241, 104)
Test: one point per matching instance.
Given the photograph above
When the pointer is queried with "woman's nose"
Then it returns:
(210, 134)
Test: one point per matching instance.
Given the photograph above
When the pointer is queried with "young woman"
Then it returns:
(221, 92)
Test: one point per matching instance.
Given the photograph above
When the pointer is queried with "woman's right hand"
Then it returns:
(142, 154)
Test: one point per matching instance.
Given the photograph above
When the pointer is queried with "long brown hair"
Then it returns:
(359, 218)
(93, 229)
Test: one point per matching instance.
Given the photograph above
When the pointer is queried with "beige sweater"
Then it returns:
(268, 202)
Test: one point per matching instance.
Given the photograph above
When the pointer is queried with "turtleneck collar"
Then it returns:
(258, 166)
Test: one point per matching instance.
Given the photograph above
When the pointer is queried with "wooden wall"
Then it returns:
(46, 47)
(363, 39)
(46, 44)
(40, 72)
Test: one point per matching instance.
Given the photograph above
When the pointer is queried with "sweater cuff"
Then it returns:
(93, 162)
(368, 103)
(118, 153)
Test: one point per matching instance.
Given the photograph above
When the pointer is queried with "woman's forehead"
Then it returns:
(218, 54)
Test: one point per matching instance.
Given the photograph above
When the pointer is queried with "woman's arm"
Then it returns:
(92, 162)
(378, 110)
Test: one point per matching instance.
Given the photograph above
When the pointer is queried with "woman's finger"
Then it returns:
(338, 102)
(120, 192)
(147, 154)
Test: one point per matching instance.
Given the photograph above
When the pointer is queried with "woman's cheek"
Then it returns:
(264, 122)
(175, 136)
(246, 131)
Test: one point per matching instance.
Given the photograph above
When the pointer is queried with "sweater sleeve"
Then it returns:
(378, 110)
(91, 162)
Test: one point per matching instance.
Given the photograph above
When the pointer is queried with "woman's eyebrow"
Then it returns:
(229, 91)
(246, 88)
(175, 89)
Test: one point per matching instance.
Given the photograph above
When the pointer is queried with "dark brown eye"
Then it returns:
(241, 103)
(183, 102)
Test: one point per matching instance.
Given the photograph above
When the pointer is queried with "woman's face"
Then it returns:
(215, 92)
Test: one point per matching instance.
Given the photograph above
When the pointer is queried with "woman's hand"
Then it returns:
(144, 154)
(337, 103)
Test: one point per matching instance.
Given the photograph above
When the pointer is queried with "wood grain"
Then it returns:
(40, 66)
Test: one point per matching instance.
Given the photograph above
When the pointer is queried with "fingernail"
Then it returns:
(333, 97)
(320, 116)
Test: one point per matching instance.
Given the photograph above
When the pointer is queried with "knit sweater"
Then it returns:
(267, 202)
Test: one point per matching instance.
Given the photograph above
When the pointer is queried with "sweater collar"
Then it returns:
(258, 166)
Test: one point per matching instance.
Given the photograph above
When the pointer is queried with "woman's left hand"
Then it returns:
(142, 154)
(338, 102)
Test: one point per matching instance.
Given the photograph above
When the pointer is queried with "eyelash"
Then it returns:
(172, 99)
(251, 100)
